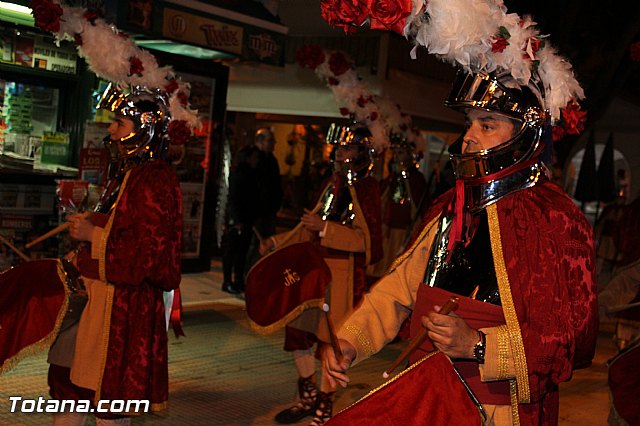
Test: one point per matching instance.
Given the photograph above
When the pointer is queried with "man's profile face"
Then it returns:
(486, 130)
(121, 128)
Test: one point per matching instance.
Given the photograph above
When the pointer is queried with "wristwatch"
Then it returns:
(480, 347)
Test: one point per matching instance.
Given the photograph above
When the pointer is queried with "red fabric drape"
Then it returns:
(429, 393)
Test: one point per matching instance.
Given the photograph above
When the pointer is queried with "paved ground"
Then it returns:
(222, 373)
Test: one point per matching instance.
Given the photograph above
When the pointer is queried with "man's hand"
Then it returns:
(450, 334)
(266, 246)
(81, 227)
(312, 221)
(334, 370)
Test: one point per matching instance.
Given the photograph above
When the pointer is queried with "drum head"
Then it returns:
(283, 284)
(33, 302)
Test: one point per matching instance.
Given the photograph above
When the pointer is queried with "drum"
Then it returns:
(624, 384)
(285, 283)
(429, 392)
(34, 299)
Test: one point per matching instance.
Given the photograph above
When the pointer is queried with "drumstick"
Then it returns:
(14, 248)
(450, 305)
(255, 231)
(51, 233)
(332, 333)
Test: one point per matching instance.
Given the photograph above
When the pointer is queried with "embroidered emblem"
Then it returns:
(290, 277)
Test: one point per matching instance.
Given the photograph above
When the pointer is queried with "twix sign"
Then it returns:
(202, 31)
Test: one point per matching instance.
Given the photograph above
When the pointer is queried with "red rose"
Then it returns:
(183, 98)
(310, 56)
(557, 133)
(373, 116)
(390, 15)
(171, 86)
(77, 39)
(634, 51)
(179, 132)
(345, 111)
(135, 66)
(345, 14)
(339, 64)
(333, 81)
(573, 120)
(47, 15)
(535, 44)
(499, 44)
(361, 101)
(90, 16)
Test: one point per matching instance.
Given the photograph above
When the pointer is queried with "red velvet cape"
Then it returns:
(142, 260)
(547, 246)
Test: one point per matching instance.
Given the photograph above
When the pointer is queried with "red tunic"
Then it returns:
(142, 259)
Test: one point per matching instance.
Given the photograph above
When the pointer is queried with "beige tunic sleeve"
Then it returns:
(378, 318)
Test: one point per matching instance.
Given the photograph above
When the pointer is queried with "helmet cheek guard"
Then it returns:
(353, 134)
(499, 93)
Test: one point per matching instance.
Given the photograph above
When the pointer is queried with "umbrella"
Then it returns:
(587, 185)
(606, 176)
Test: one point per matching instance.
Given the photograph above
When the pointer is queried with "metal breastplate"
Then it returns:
(110, 194)
(337, 207)
(400, 190)
(468, 268)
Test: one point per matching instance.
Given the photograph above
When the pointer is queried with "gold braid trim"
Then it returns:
(309, 304)
(515, 416)
(503, 352)
(361, 337)
(105, 338)
(102, 269)
(508, 307)
(409, 251)
(47, 340)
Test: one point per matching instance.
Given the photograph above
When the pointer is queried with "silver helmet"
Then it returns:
(148, 109)
(493, 173)
(352, 134)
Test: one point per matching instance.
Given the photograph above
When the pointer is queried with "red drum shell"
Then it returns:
(33, 302)
(283, 284)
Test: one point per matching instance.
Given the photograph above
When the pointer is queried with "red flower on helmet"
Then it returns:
(46, 15)
(499, 44)
(135, 66)
(310, 56)
(574, 119)
(90, 16)
(183, 98)
(389, 15)
(345, 111)
(179, 132)
(557, 133)
(345, 14)
(338, 63)
(171, 86)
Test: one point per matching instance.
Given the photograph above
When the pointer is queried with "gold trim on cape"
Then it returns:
(110, 289)
(309, 304)
(508, 307)
(47, 340)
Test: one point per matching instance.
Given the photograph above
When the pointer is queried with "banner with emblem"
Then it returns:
(285, 283)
